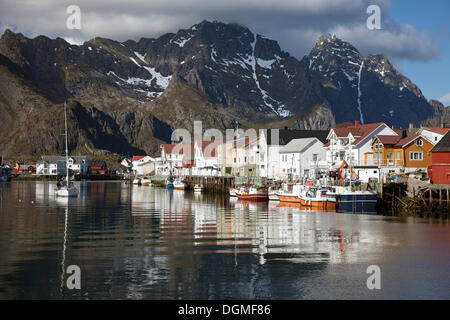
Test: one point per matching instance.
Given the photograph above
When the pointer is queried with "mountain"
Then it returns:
(127, 97)
(368, 89)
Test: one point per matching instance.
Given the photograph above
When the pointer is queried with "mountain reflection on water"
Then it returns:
(151, 243)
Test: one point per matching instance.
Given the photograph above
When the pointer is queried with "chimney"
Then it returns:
(411, 125)
(356, 123)
(404, 133)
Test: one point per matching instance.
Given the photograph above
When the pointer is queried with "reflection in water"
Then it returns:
(145, 242)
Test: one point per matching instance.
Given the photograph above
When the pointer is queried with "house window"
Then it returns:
(234, 160)
(378, 146)
(398, 156)
(435, 138)
(315, 155)
(261, 157)
(416, 156)
(245, 159)
(419, 142)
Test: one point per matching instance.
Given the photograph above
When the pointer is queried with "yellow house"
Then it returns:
(405, 151)
(386, 152)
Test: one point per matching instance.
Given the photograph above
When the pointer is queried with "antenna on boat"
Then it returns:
(67, 148)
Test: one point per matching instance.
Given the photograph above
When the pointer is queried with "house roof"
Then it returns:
(443, 145)
(178, 148)
(208, 147)
(388, 140)
(404, 141)
(357, 131)
(438, 129)
(298, 145)
(136, 158)
(287, 135)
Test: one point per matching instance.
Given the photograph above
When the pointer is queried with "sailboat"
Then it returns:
(67, 189)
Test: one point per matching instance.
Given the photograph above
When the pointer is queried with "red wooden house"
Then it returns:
(97, 167)
(439, 171)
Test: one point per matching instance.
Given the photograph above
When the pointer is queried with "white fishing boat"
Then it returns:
(179, 185)
(145, 182)
(232, 192)
(291, 193)
(66, 189)
(253, 193)
(198, 188)
(137, 181)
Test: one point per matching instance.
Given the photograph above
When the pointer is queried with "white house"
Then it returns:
(300, 158)
(206, 161)
(56, 165)
(176, 159)
(354, 143)
(270, 143)
(433, 134)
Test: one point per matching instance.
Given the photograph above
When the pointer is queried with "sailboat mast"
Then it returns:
(67, 151)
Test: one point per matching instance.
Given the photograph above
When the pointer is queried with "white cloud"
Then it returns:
(445, 99)
(296, 24)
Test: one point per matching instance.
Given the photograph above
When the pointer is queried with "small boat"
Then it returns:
(318, 199)
(198, 188)
(137, 181)
(253, 193)
(179, 185)
(233, 192)
(66, 188)
(169, 184)
(145, 182)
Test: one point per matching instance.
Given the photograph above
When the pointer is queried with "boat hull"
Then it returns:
(253, 197)
(357, 203)
(66, 192)
(316, 204)
(289, 198)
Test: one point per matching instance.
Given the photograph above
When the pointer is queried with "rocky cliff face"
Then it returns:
(127, 97)
(368, 89)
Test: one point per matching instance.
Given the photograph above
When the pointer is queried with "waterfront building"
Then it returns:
(176, 159)
(206, 161)
(56, 165)
(302, 158)
(433, 134)
(439, 171)
(353, 144)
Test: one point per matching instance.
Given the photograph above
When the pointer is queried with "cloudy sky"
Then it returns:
(414, 35)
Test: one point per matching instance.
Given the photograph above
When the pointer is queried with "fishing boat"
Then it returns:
(137, 181)
(233, 192)
(291, 193)
(318, 199)
(145, 182)
(179, 184)
(350, 201)
(66, 188)
(253, 193)
(198, 188)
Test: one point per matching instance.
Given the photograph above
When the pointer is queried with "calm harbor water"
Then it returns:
(134, 242)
